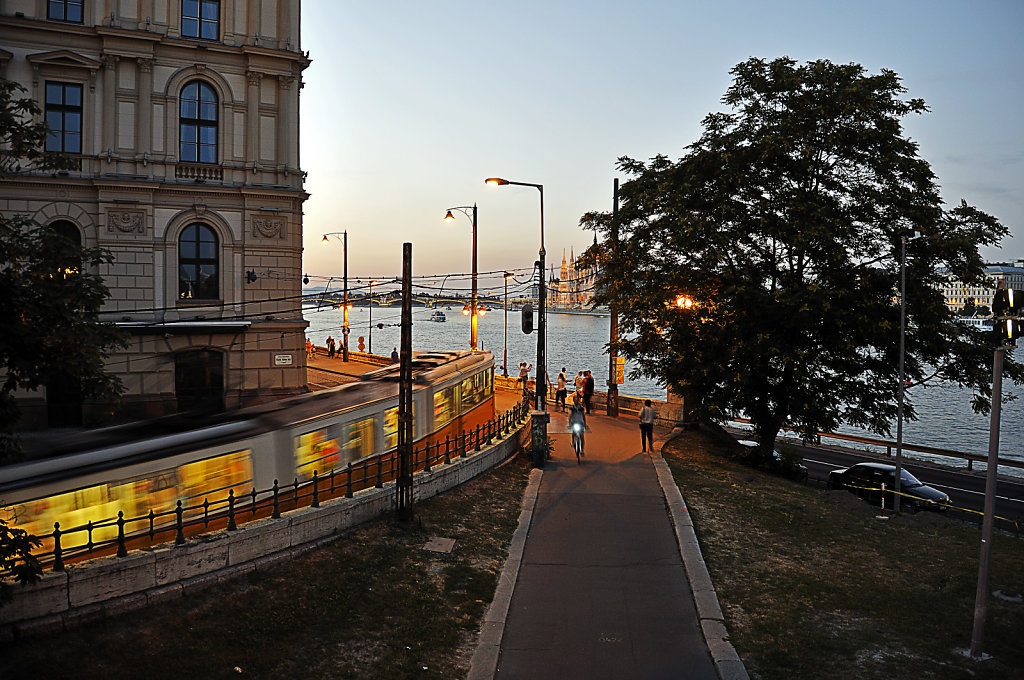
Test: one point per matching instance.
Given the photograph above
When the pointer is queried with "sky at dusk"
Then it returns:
(409, 106)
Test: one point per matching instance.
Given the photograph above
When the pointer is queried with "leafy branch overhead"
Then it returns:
(783, 223)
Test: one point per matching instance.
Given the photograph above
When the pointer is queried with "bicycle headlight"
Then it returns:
(577, 427)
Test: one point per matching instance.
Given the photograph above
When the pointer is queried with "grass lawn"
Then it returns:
(814, 586)
(373, 604)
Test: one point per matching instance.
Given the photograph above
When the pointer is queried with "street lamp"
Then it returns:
(345, 305)
(369, 347)
(541, 296)
(451, 218)
(902, 378)
(504, 358)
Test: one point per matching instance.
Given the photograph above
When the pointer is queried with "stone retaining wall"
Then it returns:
(107, 586)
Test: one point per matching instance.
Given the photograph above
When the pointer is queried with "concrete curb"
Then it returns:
(484, 664)
(712, 622)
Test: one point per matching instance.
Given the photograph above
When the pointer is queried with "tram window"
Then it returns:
(358, 439)
(444, 406)
(391, 426)
(213, 477)
(474, 391)
(318, 450)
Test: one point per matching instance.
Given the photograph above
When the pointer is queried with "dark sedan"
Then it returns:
(868, 480)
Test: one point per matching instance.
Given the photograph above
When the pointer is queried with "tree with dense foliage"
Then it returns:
(783, 226)
(50, 293)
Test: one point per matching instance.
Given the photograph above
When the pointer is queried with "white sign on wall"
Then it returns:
(282, 359)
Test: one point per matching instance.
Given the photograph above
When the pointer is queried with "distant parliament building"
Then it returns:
(182, 117)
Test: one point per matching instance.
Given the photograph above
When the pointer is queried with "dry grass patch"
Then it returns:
(814, 586)
(373, 604)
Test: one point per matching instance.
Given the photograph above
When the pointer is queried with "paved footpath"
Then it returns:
(595, 586)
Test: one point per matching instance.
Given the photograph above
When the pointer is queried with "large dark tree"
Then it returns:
(50, 291)
(783, 223)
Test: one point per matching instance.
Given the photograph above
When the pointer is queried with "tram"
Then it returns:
(111, 470)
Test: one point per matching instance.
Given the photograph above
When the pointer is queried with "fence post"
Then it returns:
(476, 441)
(380, 478)
(152, 523)
(58, 557)
(276, 514)
(332, 481)
(252, 506)
(206, 512)
(179, 538)
(348, 481)
(316, 493)
(426, 456)
(231, 510)
(122, 549)
(88, 529)
(447, 449)
(296, 494)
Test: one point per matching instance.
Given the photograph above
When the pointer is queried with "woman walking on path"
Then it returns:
(647, 425)
(562, 391)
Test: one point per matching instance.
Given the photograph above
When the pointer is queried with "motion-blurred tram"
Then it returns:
(92, 478)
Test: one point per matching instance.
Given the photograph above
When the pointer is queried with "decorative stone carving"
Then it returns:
(253, 77)
(267, 226)
(145, 65)
(126, 221)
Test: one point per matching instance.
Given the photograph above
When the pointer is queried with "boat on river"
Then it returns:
(438, 316)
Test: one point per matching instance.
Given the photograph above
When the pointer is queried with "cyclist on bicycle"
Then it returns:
(577, 420)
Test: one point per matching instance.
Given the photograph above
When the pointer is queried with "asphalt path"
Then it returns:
(966, 489)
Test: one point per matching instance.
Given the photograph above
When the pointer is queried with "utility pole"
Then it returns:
(403, 501)
(612, 406)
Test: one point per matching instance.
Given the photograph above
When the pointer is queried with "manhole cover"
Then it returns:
(441, 545)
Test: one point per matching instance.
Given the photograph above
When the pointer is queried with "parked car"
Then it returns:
(867, 480)
(785, 465)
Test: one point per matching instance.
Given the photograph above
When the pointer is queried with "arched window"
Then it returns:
(198, 122)
(198, 263)
(64, 392)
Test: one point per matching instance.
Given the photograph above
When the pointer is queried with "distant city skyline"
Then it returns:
(408, 107)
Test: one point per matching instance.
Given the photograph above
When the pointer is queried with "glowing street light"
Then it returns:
(684, 301)
(472, 217)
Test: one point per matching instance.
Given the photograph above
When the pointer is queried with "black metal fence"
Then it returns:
(227, 512)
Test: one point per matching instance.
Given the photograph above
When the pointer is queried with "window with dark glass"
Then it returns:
(198, 263)
(65, 10)
(198, 119)
(64, 117)
(200, 19)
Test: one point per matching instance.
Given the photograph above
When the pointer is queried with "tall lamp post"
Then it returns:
(473, 310)
(345, 306)
(541, 296)
(902, 377)
(504, 344)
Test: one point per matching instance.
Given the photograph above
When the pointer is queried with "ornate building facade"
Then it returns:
(574, 288)
(183, 118)
(958, 294)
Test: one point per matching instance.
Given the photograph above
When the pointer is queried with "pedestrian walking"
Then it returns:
(562, 391)
(524, 374)
(394, 356)
(647, 425)
(578, 381)
(309, 348)
(588, 389)
(330, 347)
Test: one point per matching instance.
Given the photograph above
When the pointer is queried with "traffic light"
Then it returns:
(1006, 331)
(527, 315)
(1008, 302)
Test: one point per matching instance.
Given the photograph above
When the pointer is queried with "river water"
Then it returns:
(577, 342)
